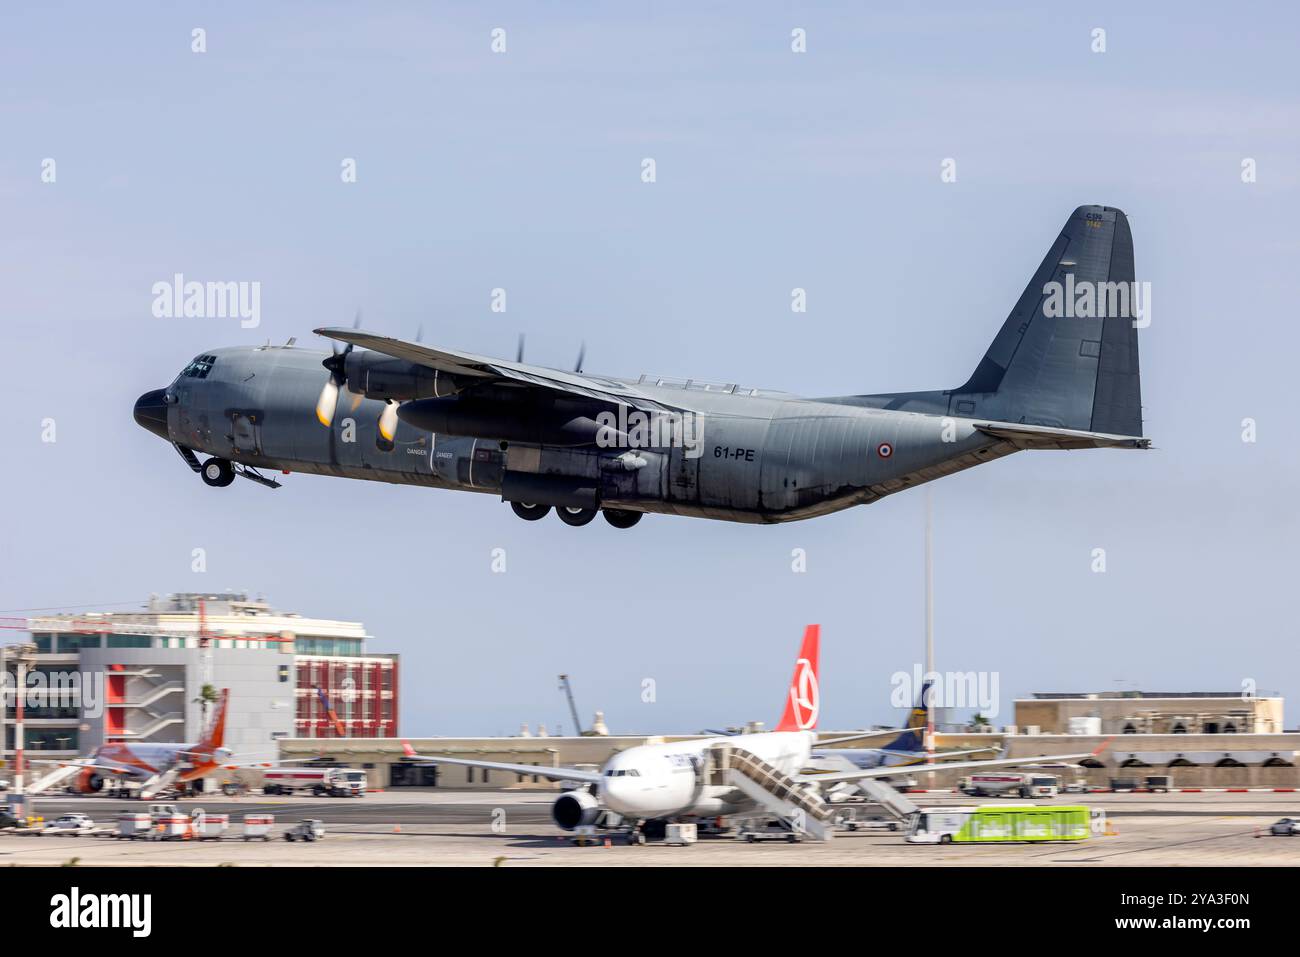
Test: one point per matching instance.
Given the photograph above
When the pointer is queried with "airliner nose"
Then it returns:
(151, 412)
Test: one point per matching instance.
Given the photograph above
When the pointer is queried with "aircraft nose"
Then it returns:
(151, 412)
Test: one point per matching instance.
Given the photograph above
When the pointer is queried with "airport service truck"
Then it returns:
(1024, 784)
(1001, 823)
(335, 782)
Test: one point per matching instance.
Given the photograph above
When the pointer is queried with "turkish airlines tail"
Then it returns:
(803, 699)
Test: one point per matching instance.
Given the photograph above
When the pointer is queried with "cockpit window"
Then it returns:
(199, 368)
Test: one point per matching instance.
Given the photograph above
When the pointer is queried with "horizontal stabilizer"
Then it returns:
(1042, 437)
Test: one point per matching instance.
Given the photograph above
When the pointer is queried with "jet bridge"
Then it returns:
(800, 808)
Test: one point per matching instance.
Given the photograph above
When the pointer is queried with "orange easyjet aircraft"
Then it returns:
(147, 762)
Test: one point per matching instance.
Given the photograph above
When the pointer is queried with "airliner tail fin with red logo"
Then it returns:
(803, 698)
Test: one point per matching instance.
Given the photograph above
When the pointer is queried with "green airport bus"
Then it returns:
(1003, 823)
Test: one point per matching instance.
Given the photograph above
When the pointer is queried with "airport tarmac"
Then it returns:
(456, 828)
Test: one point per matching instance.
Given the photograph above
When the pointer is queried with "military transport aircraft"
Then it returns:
(540, 438)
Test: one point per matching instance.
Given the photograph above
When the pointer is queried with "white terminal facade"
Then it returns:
(289, 677)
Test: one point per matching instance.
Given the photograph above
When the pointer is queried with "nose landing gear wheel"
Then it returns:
(621, 518)
(218, 473)
(575, 516)
(530, 513)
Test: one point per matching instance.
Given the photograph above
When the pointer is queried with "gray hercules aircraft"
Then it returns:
(1062, 373)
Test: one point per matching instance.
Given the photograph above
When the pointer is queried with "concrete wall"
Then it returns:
(261, 705)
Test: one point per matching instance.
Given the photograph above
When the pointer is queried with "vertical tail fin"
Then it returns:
(803, 698)
(330, 713)
(1067, 355)
(215, 735)
(918, 717)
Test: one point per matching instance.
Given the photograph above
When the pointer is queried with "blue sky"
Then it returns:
(775, 170)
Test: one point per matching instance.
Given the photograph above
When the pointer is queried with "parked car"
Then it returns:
(8, 820)
(72, 822)
(1285, 827)
(308, 830)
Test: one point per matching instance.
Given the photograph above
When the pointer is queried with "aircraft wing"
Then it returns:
(895, 770)
(1042, 437)
(862, 736)
(468, 365)
(554, 774)
(77, 763)
(938, 754)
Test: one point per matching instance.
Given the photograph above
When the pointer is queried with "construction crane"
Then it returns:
(573, 708)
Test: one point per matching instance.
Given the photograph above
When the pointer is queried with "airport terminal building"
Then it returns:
(289, 677)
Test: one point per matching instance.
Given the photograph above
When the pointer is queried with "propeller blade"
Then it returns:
(582, 354)
(325, 405)
(388, 420)
(519, 352)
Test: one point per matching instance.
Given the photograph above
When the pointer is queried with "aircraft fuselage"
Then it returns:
(756, 456)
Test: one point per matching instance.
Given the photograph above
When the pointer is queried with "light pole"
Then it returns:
(929, 627)
(23, 655)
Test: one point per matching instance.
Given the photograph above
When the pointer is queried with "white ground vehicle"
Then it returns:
(308, 830)
(336, 782)
(1022, 784)
(72, 822)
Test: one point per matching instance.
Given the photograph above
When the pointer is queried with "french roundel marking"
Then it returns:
(884, 450)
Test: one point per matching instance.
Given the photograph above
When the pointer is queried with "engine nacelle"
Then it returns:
(377, 376)
(575, 809)
(507, 420)
(88, 781)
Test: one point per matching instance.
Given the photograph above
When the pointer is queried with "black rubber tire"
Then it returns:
(621, 518)
(530, 513)
(575, 516)
(945, 839)
(217, 472)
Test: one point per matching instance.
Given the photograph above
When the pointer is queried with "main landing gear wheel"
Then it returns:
(218, 473)
(530, 513)
(621, 518)
(575, 516)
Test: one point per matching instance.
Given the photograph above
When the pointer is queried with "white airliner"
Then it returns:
(670, 782)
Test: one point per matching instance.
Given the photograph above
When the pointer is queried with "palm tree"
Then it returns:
(979, 721)
(206, 698)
